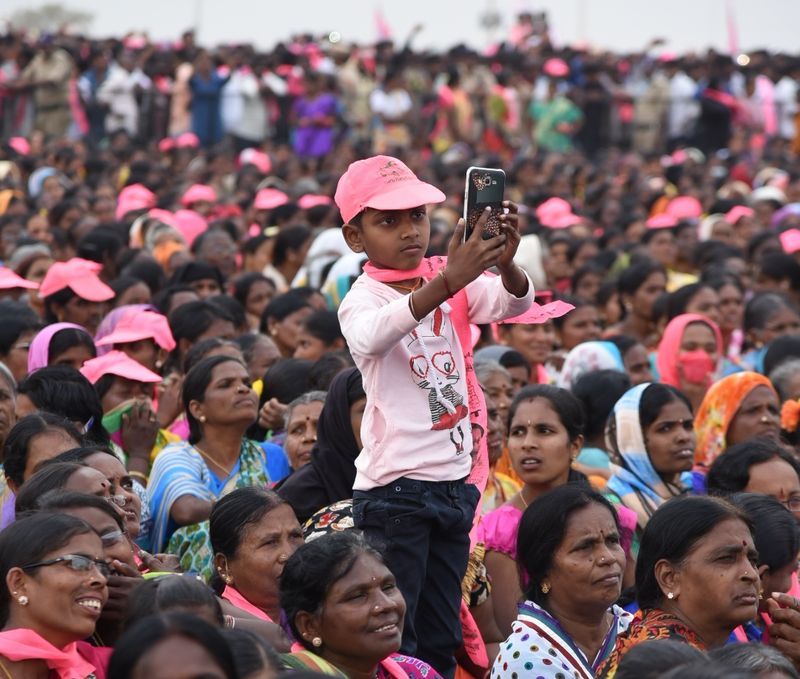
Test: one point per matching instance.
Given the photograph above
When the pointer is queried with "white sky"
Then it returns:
(618, 24)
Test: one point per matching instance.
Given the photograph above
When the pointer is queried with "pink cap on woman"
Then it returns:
(198, 193)
(9, 280)
(138, 325)
(119, 364)
(269, 199)
(80, 276)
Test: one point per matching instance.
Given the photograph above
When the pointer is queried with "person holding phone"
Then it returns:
(688, 356)
(406, 321)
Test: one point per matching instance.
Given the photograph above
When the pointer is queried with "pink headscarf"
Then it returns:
(38, 354)
(670, 346)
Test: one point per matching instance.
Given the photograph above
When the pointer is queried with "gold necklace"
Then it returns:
(208, 457)
(522, 496)
(414, 287)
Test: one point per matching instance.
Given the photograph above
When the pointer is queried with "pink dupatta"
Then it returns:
(25, 644)
(235, 597)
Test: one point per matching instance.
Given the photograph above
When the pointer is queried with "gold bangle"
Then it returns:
(138, 475)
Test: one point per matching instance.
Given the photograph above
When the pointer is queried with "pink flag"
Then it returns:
(382, 26)
(733, 34)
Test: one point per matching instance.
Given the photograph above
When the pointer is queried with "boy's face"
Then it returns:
(392, 239)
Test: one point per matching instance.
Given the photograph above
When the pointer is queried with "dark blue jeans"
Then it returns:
(423, 528)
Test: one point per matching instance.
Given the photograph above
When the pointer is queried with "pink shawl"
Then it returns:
(235, 597)
(25, 644)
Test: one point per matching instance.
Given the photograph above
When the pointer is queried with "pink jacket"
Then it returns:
(416, 423)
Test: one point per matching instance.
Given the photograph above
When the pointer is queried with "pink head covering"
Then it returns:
(269, 199)
(257, 158)
(790, 240)
(20, 145)
(737, 212)
(670, 346)
(198, 193)
(685, 207)
(310, 200)
(134, 197)
(187, 140)
(137, 325)
(120, 364)
(382, 183)
(109, 323)
(556, 68)
(9, 280)
(662, 221)
(190, 225)
(39, 352)
(80, 276)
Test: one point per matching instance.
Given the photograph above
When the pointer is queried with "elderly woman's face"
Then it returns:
(301, 433)
(263, 550)
(716, 586)
(588, 564)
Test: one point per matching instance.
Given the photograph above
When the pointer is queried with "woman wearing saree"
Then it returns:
(188, 477)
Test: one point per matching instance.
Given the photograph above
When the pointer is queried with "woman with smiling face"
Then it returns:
(188, 477)
(738, 408)
(572, 562)
(51, 597)
(345, 611)
(253, 534)
(696, 576)
(653, 437)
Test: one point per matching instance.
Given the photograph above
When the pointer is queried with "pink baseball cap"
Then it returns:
(190, 225)
(198, 193)
(255, 157)
(166, 144)
(553, 207)
(187, 140)
(790, 241)
(134, 197)
(9, 280)
(120, 364)
(685, 207)
(138, 325)
(556, 68)
(382, 183)
(561, 221)
(80, 276)
(310, 200)
(20, 145)
(661, 221)
(269, 199)
(733, 215)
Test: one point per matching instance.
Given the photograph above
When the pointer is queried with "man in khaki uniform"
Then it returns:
(48, 76)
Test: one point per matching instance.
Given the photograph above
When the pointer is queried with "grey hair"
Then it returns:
(782, 375)
(485, 369)
(5, 373)
(303, 399)
(757, 658)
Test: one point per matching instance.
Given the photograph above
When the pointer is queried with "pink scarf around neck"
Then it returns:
(235, 597)
(25, 644)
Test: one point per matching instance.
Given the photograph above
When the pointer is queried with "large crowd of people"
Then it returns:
(265, 409)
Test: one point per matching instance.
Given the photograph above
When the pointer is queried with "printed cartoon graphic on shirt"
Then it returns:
(433, 368)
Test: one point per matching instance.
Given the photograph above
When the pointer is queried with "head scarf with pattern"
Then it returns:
(716, 412)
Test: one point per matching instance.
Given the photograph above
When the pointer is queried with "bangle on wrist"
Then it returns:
(138, 475)
(450, 292)
(411, 307)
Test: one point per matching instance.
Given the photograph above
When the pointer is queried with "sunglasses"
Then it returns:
(76, 562)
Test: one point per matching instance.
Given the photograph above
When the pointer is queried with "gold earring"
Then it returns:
(545, 588)
(23, 600)
(670, 596)
(317, 642)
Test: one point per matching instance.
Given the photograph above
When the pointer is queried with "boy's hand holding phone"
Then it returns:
(466, 260)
